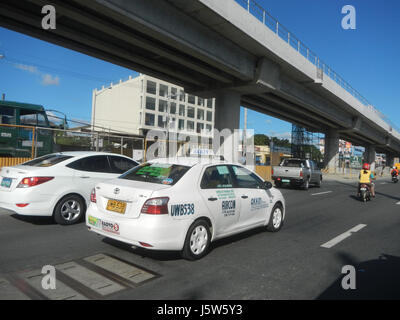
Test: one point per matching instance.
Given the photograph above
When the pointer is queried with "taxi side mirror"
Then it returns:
(267, 185)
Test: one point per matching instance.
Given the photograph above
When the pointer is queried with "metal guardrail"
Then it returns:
(262, 15)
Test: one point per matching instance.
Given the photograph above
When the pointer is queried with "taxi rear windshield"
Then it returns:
(167, 174)
(47, 161)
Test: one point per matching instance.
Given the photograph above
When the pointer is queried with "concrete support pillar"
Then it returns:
(389, 160)
(370, 155)
(331, 156)
(227, 120)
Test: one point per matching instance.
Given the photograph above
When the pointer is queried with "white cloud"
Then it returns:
(24, 67)
(49, 80)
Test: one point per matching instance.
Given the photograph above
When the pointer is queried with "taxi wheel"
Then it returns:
(69, 210)
(275, 222)
(197, 241)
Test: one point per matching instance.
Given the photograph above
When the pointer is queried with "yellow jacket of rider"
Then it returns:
(365, 176)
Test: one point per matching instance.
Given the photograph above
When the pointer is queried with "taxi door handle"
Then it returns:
(244, 197)
(84, 177)
(212, 199)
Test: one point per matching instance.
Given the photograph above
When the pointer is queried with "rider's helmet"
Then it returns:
(366, 166)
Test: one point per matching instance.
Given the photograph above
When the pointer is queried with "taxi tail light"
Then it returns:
(156, 206)
(272, 171)
(33, 181)
(301, 173)
(93, 196)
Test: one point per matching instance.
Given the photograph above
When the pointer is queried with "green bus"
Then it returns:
(16, 134)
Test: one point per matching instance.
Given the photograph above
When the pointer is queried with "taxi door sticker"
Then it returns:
(228, 208)
(257, 204)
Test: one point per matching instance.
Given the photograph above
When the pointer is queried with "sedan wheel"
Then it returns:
(69, 210)
(276, 219)
(197, 241)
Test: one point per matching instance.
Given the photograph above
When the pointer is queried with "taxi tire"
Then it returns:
(270, 226)
(57, 210)
(186, 251)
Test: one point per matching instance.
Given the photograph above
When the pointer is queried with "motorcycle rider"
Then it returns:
(366, 177)
(395, 172)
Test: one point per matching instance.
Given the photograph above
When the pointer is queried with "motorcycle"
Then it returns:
(365, 193)
(395, 178)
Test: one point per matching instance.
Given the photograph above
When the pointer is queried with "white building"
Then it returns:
(144, 103)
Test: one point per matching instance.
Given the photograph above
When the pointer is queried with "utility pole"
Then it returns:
(244, 149)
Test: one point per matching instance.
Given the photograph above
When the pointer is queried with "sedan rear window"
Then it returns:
(47, 161)
(161, 173)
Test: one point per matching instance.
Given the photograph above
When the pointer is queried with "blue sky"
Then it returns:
(38, 72)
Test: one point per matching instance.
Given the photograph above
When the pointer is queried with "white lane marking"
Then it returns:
(383, 182)
(317, 194)
(343, 236)
(398, 202)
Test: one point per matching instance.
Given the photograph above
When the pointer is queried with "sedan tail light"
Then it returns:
(93, 196)
(33, 181)
(156, 206)
(301, 173)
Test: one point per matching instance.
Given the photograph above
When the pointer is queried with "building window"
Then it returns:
(150, 103)
(172, 109)
(162, 106)
(200, 114)
(209, 103)
(182, 110)
(182, 96)
(174, 93)
(200, 127)
(209, 116)
(162, 123)
(191, 99)
(149, 120)
(151, 87)
(172, 123)
(181, 124)
(208, 127)
(163, 90)
(190, 125)
(190, 112)
(200, 102)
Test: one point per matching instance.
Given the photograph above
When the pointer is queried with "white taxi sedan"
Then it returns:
(183, 205)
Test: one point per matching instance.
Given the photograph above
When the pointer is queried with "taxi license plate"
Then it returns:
(116, 206)
(6, 182)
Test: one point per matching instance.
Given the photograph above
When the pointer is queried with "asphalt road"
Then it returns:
(290, 264)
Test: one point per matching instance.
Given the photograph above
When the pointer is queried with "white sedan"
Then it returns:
(58, 184)
(183, 205)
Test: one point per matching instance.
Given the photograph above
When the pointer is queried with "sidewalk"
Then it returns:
(353, 176)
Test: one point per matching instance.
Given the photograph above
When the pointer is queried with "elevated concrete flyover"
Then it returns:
(215, 48)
